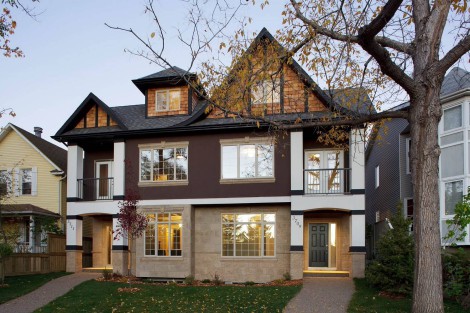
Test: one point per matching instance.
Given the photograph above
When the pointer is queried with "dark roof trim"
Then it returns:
(83, 109)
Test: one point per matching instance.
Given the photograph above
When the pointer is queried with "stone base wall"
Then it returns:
(120, 262)
(296, 264)
(358, 264)
(73, 261)
(208, 247)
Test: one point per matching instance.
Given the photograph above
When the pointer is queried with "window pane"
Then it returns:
(269, 236)
(248, 240)
(247, 161)
(228, 218)
(453, 195)
(163, 239)
(26, 181)
(150, 239)
(453, 118)
(181, 164)
(174, 100)
(162, 102)
(265, 161)
(145, 164)
(271, 218)
(227, 240)
(453, 138)
(229, 162)
(452, 159)
(176, 239)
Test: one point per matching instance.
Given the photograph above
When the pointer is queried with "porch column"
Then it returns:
(119, 170)
(357, 250)
(120, 249)
(297, 244)
(297, 163)
(74, 171)
(357, 160)
(32, 232)
(74, 243)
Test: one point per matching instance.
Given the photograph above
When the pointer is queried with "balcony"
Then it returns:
(327, 181)
(91, 189)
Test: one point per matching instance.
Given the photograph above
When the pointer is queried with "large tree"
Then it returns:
(384, 47)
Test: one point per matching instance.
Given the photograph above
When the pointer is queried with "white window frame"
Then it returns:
(247, 141)
(377, 176)
(169, 223)
(167, 96)
(19, 181)
(262, 223)
(163, 145)
(462, 123)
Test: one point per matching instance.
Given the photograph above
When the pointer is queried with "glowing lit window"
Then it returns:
(164, 234)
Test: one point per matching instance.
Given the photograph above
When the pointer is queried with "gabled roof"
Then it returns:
(54, 154)
(167, 73)
(82, 110)
(173, 76)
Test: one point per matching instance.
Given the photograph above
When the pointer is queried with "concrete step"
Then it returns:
(326, 274)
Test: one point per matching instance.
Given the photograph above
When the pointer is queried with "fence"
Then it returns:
(38, 263)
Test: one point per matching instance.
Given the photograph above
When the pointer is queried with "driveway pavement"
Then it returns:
(46, 293)
(322, 294)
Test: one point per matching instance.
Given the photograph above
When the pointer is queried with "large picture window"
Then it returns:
(164, 164)
(248, 235)
(247, 161)
(163, 236)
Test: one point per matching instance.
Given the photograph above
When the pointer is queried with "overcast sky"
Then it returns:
(69, 52)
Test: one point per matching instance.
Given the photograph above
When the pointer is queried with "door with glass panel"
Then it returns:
(324, 172)
(104, 180)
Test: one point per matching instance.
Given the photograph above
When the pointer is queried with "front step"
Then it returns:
(326, 274)
(97, 269)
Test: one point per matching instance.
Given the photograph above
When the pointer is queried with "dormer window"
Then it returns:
(266, 91)
(167, 100)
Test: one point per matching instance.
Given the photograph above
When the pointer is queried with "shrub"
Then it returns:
(249, 283)
(456, 274)
(107, 274)
(392, 270)
(287, 276)
(206, 281)
(189, 280)
(217, 280)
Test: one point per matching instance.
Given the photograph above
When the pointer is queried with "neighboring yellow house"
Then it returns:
(32, 185)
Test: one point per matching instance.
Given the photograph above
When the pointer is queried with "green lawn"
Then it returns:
(94, 296)
(21, 285)
(367, 299)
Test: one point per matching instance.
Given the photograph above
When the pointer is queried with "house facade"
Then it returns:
(222, 195)
(388, 172)
(32, 186)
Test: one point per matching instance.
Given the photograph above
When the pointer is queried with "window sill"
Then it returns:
(163, 183)
(161, 258)
(244, 258)
(247, 181)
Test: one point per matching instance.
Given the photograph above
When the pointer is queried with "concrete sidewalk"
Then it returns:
(46, 293)
(322, 294)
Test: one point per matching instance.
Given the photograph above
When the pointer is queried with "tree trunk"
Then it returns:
(425, 115)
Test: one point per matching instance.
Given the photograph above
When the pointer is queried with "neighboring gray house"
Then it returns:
(388, 177)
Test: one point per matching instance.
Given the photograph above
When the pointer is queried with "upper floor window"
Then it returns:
(248, 235)
(26, 181)
(266, 91)
(161, 163)
(167, 100)
(377, 176)
(453, 195)
(250, 160)
(4, 183)
(453, 118)
(163, 235)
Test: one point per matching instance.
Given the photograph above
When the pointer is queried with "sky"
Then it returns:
(69, 52)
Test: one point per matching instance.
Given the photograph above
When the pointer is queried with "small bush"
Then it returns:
(287, 276)
(206, 281)
(249, 283)
(392, 270)
(456, 275)
(189, 280)
(217, 280)
(107, 274)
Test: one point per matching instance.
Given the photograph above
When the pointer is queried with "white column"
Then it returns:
(74, 233)
(296, 230)
(358, 230)
(120, 239)
(296, 161)
(356, 158)
(32, 231)
(74, 170)
(119, 168)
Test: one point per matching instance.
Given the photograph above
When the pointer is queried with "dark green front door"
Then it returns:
(318, 254)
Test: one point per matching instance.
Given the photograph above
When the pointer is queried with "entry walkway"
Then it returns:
(46, 293)
(322, 294)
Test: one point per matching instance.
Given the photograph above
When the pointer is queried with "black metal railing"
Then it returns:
(90, 189)
(327, 181)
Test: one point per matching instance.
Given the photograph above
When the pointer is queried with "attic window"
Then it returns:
(266, 91)
(167, 100)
